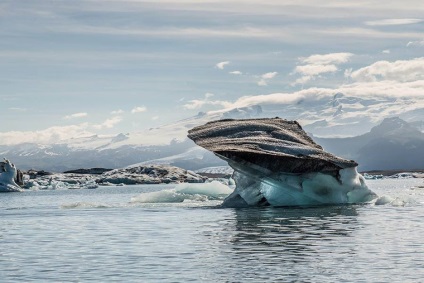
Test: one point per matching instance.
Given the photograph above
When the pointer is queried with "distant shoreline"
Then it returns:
(418, 172)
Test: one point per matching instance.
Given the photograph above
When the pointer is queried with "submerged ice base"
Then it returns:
(282, 189)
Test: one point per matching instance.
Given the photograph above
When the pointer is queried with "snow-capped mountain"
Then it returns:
(393, 144)
(123, 149)
(320, 113)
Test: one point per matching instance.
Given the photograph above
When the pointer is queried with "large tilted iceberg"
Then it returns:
(276, 163)
(7, 177)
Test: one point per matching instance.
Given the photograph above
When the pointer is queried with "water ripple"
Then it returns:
(103, 238)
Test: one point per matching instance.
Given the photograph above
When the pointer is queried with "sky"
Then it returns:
(82, 67)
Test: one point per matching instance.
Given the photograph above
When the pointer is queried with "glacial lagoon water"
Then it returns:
(102, 236)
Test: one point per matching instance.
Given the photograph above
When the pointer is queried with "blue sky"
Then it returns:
(90, 66)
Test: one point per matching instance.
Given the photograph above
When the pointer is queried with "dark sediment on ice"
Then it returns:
(273, 144)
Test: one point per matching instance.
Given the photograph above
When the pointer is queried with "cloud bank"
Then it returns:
(401, 70)
(50, 135)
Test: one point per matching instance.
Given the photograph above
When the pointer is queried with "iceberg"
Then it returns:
(150, 174)
(8, 174)
(276, 163)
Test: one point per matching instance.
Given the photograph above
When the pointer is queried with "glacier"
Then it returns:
(276, 163)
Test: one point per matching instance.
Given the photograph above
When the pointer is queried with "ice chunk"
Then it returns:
(186, 191)
(7, 177)
(213, 189)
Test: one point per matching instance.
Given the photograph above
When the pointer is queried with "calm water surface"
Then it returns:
(100, 236)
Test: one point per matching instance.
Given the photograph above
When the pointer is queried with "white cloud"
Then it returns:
(392, 22)
(245, 32)
(318, 64)
(236, 73)
(367, 90)
(221, 65)
(314, 70)
(47, 136)
(401, 70)
(381, 80)
(138, 109)
(108, 123)
(266, 77)
(269, 75)
(117, 112)
(348, 33)
(18, 109)
(386, 51)
(208, 95)
(76, 115)
(348, 72)
(303, 80)
(154, 118)
(415, 43)
(196, 104)
(199, 103)
(325, 59)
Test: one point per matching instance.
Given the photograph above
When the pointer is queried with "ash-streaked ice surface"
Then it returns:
(276, 163)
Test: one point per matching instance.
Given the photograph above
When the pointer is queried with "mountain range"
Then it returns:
(378, 133)
(393, 144)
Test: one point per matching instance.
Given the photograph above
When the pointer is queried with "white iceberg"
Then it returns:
(150, 174)
(8, 173)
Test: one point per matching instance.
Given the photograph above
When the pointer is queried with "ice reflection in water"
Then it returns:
(284, 243)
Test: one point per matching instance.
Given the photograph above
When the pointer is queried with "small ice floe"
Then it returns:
(89, 185)
(216, 171)
(43, 184)
(395, 201)
(84, 205)
(186, 192)
(149, 174)
(417, 187)
(372, 177)
(383, 200)
(403, 175)
(60, 181)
